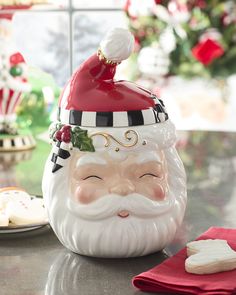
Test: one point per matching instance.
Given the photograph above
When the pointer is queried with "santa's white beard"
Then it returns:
(96, 230)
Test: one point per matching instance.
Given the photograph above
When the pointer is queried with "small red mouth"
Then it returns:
(123, 214)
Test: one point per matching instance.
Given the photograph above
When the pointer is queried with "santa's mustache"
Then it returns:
(110, 205)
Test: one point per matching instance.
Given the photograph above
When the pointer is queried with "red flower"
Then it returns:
(207, 50)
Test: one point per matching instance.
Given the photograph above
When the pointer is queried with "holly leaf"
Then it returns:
(87, 146)
(81, 140)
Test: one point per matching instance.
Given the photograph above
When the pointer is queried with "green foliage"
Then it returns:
(29, 172)
(81, 140)
(34, 110)
(78, 137)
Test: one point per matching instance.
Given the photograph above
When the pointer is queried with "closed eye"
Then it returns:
(149, 174)
(92, 176)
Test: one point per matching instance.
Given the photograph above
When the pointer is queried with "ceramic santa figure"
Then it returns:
(114, 185)
(13, 82)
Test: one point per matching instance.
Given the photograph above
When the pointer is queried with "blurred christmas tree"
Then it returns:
(180, 37)
(38, 105)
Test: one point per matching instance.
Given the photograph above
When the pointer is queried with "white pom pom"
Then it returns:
(117, 45)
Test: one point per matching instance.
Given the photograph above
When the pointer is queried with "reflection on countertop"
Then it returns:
(210, 163)
(73, 274)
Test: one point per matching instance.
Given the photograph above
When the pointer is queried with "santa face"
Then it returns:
(93, 177)
(117, 206)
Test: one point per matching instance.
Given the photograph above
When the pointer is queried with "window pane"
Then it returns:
(98, 4)
(43, 40)
(89, 29)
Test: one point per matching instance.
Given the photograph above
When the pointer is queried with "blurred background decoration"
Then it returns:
(179, 40)
(27, 95)
(184, 50)
(192, 38)
(180, 44)
(13, 83)
(38, 108)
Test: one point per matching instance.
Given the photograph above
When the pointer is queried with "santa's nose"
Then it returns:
(123, 188)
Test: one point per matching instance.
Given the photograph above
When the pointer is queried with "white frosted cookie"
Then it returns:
(19, 208)
(26, 212)
(2, 205)
(4, 220)
(209, 256)
(8, 194)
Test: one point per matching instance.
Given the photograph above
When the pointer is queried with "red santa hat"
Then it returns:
(92, 98)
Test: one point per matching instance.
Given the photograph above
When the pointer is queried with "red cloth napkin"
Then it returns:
(171, 277)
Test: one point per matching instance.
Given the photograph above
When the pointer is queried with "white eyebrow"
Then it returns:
(90, 159)
(147, 157)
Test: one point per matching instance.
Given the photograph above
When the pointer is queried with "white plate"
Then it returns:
(21, 228)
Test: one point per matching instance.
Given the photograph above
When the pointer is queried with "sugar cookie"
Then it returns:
(8, 194)
(4, 220)
(19, 208)
(25, 212)
(209, 256)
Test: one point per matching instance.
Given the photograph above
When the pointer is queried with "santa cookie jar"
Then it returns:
(114, 185)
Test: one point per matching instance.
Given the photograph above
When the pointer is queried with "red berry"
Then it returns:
(66, 128)
(66, 132)
(58, 135)
(65, 137)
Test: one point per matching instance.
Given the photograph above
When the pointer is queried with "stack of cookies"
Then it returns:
(17, 207)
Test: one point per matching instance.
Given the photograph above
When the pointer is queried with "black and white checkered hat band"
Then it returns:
(60, 154)
(150, 116)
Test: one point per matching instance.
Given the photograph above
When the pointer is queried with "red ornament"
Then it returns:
(196, 3)
(201, 4)
(16, 59)
(207, 50)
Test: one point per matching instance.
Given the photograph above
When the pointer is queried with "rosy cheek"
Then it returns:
(158, 192)
(84, 195)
